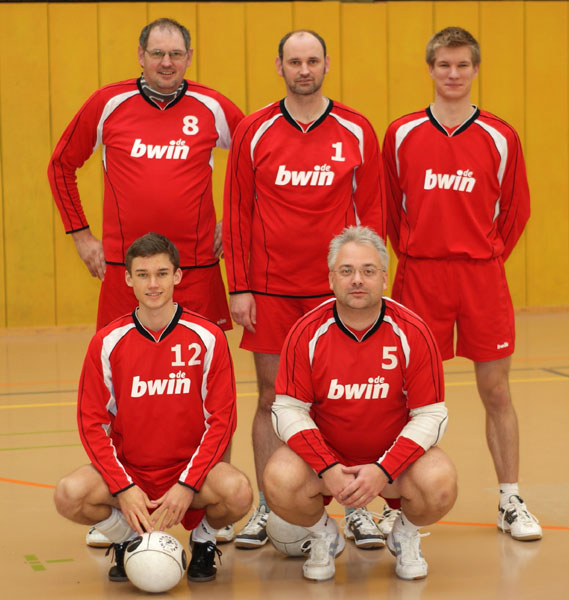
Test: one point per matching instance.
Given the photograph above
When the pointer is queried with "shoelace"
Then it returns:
(256, 521)
(363, 519)
(412, 542)
(519, 511)
(320, 548)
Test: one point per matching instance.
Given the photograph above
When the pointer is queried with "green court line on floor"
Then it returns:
(59, 560)
(38, 432)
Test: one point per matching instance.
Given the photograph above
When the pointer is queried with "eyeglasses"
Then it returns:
(365, 272)
(175, 55)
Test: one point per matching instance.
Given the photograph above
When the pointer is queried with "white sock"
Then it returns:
(323, 525)
(404, 524)
(506, 491)
(115, 527)
(204, 532)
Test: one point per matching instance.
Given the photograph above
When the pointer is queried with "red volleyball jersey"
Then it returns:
(157, 166)
(163, 408)
(360, 392)
(460, 194)
(289, 190)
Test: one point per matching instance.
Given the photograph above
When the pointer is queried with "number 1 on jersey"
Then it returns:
(338, 155)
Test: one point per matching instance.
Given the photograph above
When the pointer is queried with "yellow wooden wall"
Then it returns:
(52, 56)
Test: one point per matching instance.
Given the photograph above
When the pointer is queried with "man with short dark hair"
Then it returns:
(458, 203)
(157, 134)
(156, 412)
(360, 406)
(299, 171)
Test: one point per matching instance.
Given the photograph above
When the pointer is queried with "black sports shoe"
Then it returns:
(117, 572)
(202, 566)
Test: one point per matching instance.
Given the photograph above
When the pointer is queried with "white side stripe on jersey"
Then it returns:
(260, 133)
(209, 342)
(502, 146)
(290, 416)
(404, 343)
(400, 135)
(221, 126)
(110, 107)
(319, 332)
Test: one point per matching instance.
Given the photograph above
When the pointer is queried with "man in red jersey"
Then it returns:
(157, 135)
(458, 202)
(156, 412)
(299, 171)
(360, 405)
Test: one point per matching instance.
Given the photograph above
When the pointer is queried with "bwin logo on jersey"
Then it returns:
(462, 181)
(177, 383)
(175, 150)
(372, 390)
(322, 175)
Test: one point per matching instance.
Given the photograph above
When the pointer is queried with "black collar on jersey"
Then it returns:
(148, 94)
(145, 333)
(458, 130)
(369, 332)
(314, 124)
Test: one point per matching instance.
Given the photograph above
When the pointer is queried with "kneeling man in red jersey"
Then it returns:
(360, 406)
(156, 412)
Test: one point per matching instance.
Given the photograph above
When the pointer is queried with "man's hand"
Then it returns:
(368, 484)
(134, 505)
(217, 241)
(337, 481)
(172, 506)
(90, 250)
(244, 310)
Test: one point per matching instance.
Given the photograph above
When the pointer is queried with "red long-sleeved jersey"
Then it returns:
(289, 190)
(157, 166)
(163, 408)
(462, 195)
(360, 394)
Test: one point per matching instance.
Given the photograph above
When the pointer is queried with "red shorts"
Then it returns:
(473, 294)
(200, 290)
(275, 316)
(154, 491)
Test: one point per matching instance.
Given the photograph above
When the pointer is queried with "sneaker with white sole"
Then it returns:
(360, 527)
(406, 547)
(95, 539)
(225, 534)
(324, 547)
(514, 518)
(386, 519)
(254, 534)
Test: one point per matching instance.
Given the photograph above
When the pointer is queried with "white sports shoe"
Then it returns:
(360, 527)
(225, 534)
(514, 518)
(406, 547)
(386, 519)
(324, 547)
(95, 539)
(254, 534)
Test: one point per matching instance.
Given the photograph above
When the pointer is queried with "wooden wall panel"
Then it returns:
(547, 149)
(25, 142)
(409, 87)
(119, 25)
(266, 23)
(363, 61)
(502, 80)
(377, 66)
(222, 65)
(71, 27)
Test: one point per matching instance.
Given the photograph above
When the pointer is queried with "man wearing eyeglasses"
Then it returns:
(157, 135)
(360, 406)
